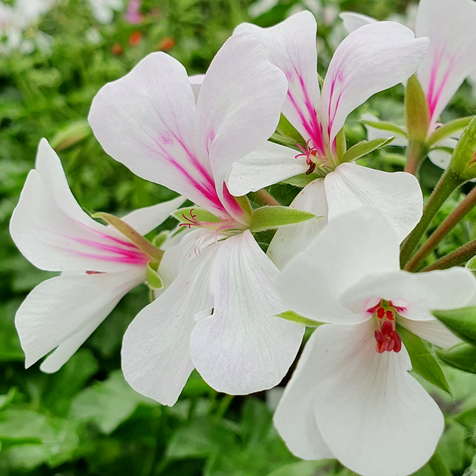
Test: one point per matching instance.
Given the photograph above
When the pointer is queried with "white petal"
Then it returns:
(352, 21)
(417, 293)
(450, 59)
(62, 307)
(374, 133)
(144, 220)
(431, 330)
(156, 348)
(266, 165)
(347, 250)
(239, 106)
(146, 120)
(291, 45)
(243, 347)
(294, 417)
(48, 165)
(67, 348)
(442, 158)
(372, 58)
(291, 240)
(374, 416)
(397, 195)
(53, 239)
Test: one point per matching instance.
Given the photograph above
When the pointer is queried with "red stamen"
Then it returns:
(380, 312)
(389, 315)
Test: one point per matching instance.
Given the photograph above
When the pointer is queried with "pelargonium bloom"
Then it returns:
(98, 264)
(369, 60)
(351, 396)
(450, 59)
(219, 314)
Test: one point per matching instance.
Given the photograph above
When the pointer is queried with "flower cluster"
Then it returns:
(221, 304)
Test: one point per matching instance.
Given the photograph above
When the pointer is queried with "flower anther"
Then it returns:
(308, 152)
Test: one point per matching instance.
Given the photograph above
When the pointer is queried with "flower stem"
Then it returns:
(457, 257)
(416, 152)
(450, 222)
(265, 198)
(448, 183)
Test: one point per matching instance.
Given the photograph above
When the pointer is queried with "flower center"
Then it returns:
(386, 335)
(313, 159)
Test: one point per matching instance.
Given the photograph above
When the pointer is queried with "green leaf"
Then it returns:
(461, 322)
(190, 214)
(364, 148)
(438, 466)
(448, 130)
(154, 281)
(423, 361)
(294, 317)
(107, 403)
(417, 114)
(266, 218)
(6, 399)
(461, 356)
(385, 126)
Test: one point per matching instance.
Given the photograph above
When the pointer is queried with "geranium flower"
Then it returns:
(369, 60)
(351, 396)
(219, 313)
(98, 264)
(450, 59)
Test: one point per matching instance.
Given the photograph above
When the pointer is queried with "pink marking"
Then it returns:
(137, 261)
(166, 139)
(289, 76)
(231, 204)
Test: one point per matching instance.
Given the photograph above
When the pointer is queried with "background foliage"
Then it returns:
(85, 420)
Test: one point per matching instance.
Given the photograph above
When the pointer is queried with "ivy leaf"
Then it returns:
(461, 322)
(423, 361)
(266, 218)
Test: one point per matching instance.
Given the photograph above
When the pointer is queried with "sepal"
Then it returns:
(73, 133)
(385, 126)
(189, 215)
(364, 148)
(154, 281)
(461, 356)
(159, 240)
(266, 218)
(294, 317)
(417, 114)
(424, 363)
(463, 160)
(462, 322)
(448, 130)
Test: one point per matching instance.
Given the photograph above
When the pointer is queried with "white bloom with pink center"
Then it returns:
(369, 60)
(451, 58)
(99, 265)
(351, 396)
(219, 315)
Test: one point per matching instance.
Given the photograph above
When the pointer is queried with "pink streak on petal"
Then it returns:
(231, 202)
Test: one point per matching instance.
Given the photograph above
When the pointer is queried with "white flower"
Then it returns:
(369, 60)
(219, 314)
(450, 27)
(351, 396)
(98, 264)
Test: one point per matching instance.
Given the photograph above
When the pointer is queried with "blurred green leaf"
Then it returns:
(461, 322)
(461, 356)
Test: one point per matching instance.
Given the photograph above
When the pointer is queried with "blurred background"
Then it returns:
(85, 420)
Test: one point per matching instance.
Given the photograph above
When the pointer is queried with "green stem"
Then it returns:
(225, 402)
(450, 222)
(438, 466)
(457, 257)
(448, 183)
(416, 152)
(265, 198)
